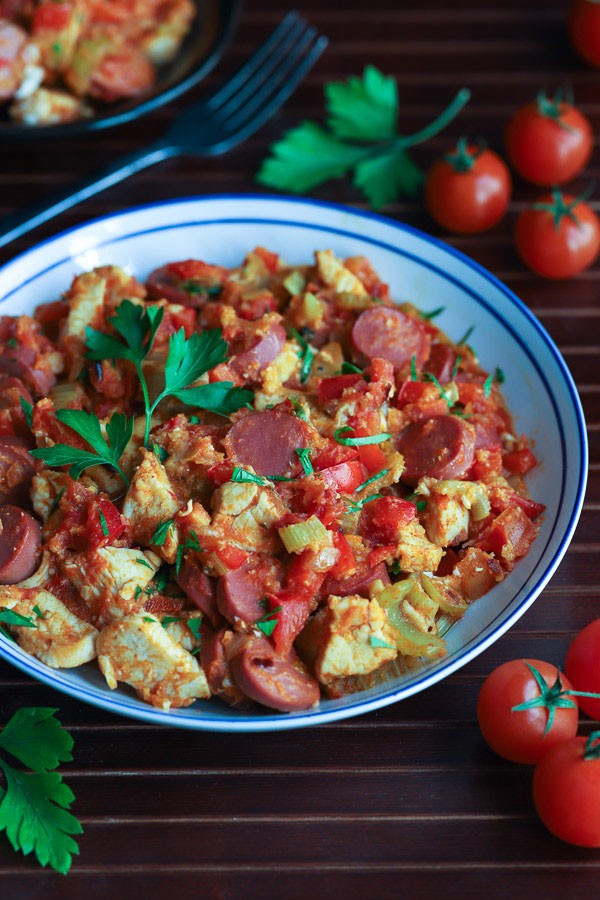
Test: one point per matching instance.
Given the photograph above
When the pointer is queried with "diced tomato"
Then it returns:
(302, 577)
(333, 388)
(529, 507)
(271, 260)
(52, 17)
(519, 461)
(196, 270)
(487, 463)
(333, 454)
(372, 457)
(346, 563)
(509, 536)
(295, 610)
(49, 314)
(380, 554)
(345, 476)
(382, 520)
(412, 392)
(428, 409)
(104, 523)
(67, 593)
(364, 271)
(220, 473)
(183, 317)
(233, 557)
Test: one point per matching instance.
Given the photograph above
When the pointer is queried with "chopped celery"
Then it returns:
(294, 283)
(311, 533)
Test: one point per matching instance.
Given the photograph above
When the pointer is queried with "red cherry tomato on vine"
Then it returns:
(550, 141)
(566, 790)
(584, 26)
(559, 236)
(583, 666)
(468, 191)
(521, 736)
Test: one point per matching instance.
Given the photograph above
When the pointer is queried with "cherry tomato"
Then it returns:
(566, 790)
(559, 236)
(550, 141)
(583, 666)
(520, 735)
(468, 191)
(584, 26)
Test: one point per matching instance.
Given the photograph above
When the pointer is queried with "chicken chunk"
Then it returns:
(356, 638)
(245, 514)
(108, 578)
(150, 501)
(335, 274)
(139, 651)
(451, 507)
(57, 637)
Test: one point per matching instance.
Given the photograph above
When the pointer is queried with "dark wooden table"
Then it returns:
(407, 801)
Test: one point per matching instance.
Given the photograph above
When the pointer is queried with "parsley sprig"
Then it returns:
(107, 451)
(188, 359)
(360, 136)
(34, 807)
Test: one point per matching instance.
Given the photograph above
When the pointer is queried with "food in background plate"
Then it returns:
(263, 483)
(58, 59)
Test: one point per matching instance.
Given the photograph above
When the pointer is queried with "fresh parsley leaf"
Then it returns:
(168, 620)
(38, 612)
(27, 411)
(34, 809)
(219, 397)
(268, 623)
(487, 386)
(103, 523)
(370, 480)
(298, 409)
(136, 323)
(363, 109)
(421, 505)
(395, 567)
(361, 137)
(190, 543)
(36, 738)
(118, 430)
(10, 617)
(386, 177)
(241, 476)
(162, 578)
(304, 455)
(413, 369)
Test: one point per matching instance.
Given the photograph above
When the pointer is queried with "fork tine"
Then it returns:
(247, 71)
(284, 78)
(252, 121)
(287, 46)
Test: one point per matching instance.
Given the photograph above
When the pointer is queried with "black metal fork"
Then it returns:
(209, 127)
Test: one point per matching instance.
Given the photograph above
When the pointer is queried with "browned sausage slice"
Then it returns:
(441, 362)
(11, 391)
(266, 348)
(267, 441)
(441, 447)
(268, 679)
(216, 667)
(189, 283)
(19, 362)
(390, 334)
(20, 544)
(356, 584)
(200, 589)
(240, 590)
(16, 470)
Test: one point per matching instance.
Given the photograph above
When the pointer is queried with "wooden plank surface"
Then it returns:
(407, 800)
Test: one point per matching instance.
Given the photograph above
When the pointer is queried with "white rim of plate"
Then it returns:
(193, 719)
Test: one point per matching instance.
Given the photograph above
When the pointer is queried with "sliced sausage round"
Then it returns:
(268, 679)
(265, 349)
(188, 283)
(19, 362)
(16, 470)
(358, 583)
(390, 334)
(240, 591)
(267, 441)
(20, 544)
(486, 436)
(441, 447)
(216, 667)
(200, 589)
(441, 362)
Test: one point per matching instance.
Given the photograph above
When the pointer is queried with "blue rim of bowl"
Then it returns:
(229, 14)
(429, 675)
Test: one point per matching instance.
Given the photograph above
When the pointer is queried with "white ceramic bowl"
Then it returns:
(539, 389)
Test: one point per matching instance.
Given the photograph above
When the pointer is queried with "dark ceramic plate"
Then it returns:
(211, 32)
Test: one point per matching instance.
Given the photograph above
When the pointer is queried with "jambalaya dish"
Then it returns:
(264, 484)
(60, 57)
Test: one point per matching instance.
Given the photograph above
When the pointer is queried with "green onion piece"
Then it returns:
(370, 480)
(304, 454)
(359, 441)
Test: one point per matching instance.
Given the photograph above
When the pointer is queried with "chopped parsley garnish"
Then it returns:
(38, 612)
(241, 476)
(27, 411)
(192, 287)
(168, 620)
(433, 313)
(421, 505)
(395, 567)
(307, 466)
(370, 480)
(457, 363)
(103, 523)
(160, 535)
(499, 375)
(431, 378)
(190, 543)
(160, 452)
(359, 441)
(12, 343)
(487, 386)
(466, 336)
(299, 409)
(268, 622)
(10, 617)
(355, 506)
(378, 642)
(349, 368)
(195, 624)
(413, 369)
(306, 354)
(143, 562)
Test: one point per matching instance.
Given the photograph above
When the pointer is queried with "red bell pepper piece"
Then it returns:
(104, 523)
(291, 618)
(346, 564)
(271, 260)
(519, 461)
(382, 520)
(346, 476)
(333, 388)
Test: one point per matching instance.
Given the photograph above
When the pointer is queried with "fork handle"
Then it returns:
(24, 220)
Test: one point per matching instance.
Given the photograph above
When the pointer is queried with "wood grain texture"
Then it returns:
(407, 799)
